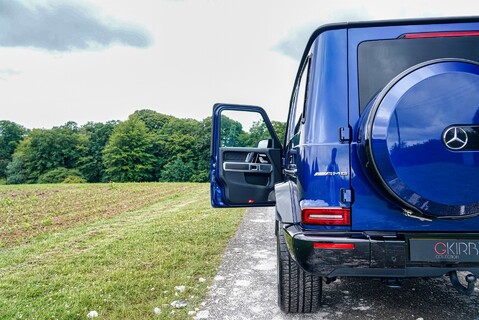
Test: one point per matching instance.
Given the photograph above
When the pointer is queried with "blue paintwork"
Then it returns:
(358, 35)
(382, 164)
(371, 210)
(411, 157)
(328, 90)
(333, 103)
(319, 149)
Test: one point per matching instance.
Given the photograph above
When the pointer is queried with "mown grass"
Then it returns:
(121, 263)
(27, 211)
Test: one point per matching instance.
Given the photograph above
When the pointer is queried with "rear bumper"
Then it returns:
(368, 254)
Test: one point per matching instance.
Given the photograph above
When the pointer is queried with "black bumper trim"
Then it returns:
(375, 254)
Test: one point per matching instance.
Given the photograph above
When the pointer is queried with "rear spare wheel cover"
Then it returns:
(421, 138)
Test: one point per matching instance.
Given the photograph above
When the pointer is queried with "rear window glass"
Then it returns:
(380, 61)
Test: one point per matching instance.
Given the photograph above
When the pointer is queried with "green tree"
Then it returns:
(177, 171)
(202, 152)
(280, 129)
(10, 136)
(97, 135)
(230, 132)
(153, 120)
(71, 126)
(177, 138)
(60, 175)
(256, 133)
(16, 170)
(259, 131)
(45, 150)
(178, 143)
(128, 154)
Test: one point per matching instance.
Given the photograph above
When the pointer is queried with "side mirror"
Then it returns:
(264, 144)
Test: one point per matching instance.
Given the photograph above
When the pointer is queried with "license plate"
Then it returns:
(447, 250)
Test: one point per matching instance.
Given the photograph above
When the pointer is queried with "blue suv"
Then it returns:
(378, 173)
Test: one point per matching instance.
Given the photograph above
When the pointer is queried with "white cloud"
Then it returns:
(201, 52)
(8, 72)
(63, 26)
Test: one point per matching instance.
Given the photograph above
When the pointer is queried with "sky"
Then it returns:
(101, 60)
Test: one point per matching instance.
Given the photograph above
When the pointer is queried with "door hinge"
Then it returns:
(345, 134)
(346, 195)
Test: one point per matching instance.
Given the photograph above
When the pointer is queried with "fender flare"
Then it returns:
(287, 204)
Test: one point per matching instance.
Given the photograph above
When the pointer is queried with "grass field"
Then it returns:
(118, 249)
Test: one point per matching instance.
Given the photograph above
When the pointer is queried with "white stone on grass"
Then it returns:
(179, 304)
(92, 314)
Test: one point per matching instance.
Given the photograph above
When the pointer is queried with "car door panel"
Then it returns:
(247, 182)
(244, 176)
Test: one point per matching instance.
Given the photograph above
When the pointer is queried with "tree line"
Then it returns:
(148, 146)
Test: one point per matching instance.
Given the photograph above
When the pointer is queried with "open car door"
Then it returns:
(245, 157)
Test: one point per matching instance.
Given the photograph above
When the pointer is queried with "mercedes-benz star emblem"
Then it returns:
(455, 138)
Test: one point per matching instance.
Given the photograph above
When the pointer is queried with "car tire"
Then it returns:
(298, 291)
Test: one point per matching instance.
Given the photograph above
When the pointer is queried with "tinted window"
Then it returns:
(380, 61)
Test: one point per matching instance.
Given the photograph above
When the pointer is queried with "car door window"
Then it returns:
(243, 129)
(298, 107)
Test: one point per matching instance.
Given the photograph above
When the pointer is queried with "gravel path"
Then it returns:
(245, 287)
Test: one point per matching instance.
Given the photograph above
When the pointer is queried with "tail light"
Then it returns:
(344, 246)
(327, 216)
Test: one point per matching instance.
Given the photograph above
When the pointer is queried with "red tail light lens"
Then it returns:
(327, 216)
(440, 34)
(344, 246)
